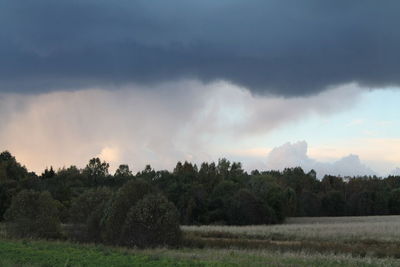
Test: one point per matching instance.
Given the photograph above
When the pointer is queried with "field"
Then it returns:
(375, 236)
(378, 228)
(339, 241)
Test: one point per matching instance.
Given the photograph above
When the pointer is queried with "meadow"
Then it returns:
(320, 241)
(62, 254)
(364, 228)
(373, 236)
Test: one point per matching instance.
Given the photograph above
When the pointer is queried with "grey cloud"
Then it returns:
(287, 48)
(136, 125)
(122, 126)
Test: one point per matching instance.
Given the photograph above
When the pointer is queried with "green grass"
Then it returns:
(53, 254)
(47, 253)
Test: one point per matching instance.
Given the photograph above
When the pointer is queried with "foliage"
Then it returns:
(96, 171)
(86, 213)
(209, 194)
(117, 209)
(394, 201)
(33, 214)
(153, 221)
(123, 171)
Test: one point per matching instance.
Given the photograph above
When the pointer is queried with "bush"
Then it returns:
(33, 214)
(153, 221)
(86, 213)
(116, 211)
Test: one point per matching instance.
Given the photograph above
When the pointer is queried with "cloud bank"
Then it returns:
(285, 48)
(294, 155)
(185, 120)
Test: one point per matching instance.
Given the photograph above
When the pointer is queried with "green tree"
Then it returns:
(246, 209)
(10, 169)
(309, 204)
(220, 201)
(86, 214)
(153, 221)
(96, 170)
(333, 204)
(117, 209)
(394, 201)
(33, 214)
(123, 171)
(48, 173)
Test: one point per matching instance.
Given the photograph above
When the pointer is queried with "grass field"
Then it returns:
(49, 254)
(333, 241)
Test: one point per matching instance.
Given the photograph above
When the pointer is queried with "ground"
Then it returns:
(334, 241)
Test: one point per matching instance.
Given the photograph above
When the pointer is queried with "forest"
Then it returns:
(94, 205)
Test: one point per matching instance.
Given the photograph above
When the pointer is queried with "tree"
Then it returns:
(10, 169)
(153, 221)
(362, 204)
(309, 204)
(333, 204)
(223, 168)
(116, 211)
(148, 174)
(247, 209)
(7, 191)
(220, 201)
(86, 213)
(96, 170)
(123, 171)
(33, 214)
(265, 188)
(394, 201)
(48, 173)
(236, 173)
(290, 202)
(186, 172)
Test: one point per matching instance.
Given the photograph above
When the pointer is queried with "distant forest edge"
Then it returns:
(213, 193)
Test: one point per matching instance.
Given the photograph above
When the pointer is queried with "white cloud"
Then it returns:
(395, 172)
(381, 154)
(293, 155)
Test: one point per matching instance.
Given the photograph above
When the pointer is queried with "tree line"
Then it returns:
(101, 206)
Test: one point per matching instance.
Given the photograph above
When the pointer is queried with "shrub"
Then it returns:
(86, 213)
(33, 214)
(116, 211)
(153, 221)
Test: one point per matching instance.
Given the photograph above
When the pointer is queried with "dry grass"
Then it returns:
(249, 257)
(348, 219)
(374, 237)
(344, 229)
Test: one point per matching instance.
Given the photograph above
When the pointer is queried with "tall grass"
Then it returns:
(378, 228)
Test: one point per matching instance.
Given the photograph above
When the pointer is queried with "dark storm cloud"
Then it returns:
(281, 47)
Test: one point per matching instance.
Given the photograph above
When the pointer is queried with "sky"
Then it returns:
(272, 84)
